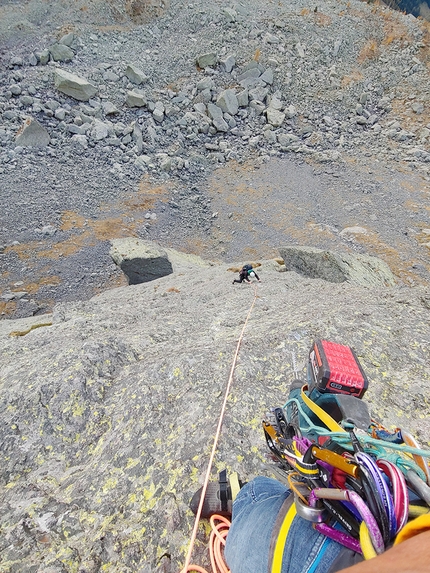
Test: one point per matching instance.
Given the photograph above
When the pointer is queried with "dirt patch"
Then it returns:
(354, 77)
(400, 267)
(34, 287)
(370, 51)
(141, 11)
(71, 220)
(7, 308)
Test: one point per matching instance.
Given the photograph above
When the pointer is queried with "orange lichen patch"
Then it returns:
(318, 228)
(424, 53)
(322, 19)
(145, 186)
(102, 230)
(394, 29)
(369, 51)
(402, 108)
(34, 287)
(354, 76)
(65, 29)
(304, 12)
(107, 229)
(424, 236)
(141, 201)
(93, 231)
(391, 256)
(24, 250)
(196, 245)
(412, 206)
(68, 247)
(7, 308)
(257, 54)
(146, 196)
(250, 252)
(72, 220)
(173, 289)
(350, 160)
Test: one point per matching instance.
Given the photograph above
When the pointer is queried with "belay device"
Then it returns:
(356, 481)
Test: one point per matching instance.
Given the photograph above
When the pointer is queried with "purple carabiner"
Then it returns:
(342, 538)
(383, 490)
(355, 499)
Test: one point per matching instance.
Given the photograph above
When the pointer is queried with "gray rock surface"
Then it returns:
(109, 413)
(32, 134)
(135, 74)
(108, 405)
(61, 53)
(337, 267)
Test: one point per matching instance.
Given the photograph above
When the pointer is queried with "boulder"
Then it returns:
(228, 63)
(43, 56)
(214, 111)
(135, 75)
(135, 99)
(109, 108)
(73, 85)
(275, 117)
(227, 101)
(337, 267)
(32, 134)
(99, 130)
(61, 53)
(141, 261)
(205, 60)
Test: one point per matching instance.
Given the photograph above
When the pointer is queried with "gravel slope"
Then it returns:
(333, 133)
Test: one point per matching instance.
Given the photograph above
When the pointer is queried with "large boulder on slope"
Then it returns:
(141, 261)
(73, 85)
(337, 267)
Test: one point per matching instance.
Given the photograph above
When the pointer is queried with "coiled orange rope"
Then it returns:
(220, 534)
(216, 546)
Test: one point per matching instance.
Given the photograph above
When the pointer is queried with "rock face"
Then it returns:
(73, 85)
(337, 267)
(141, 261)
(108, 413)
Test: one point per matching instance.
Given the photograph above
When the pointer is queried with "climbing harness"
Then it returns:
(357, 482)
(219, 524)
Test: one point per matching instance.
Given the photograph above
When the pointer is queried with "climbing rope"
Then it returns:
(218, 534)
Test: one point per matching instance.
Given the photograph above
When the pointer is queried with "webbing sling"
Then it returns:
(325, 418)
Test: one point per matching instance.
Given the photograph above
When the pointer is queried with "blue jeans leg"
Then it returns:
(254, 514)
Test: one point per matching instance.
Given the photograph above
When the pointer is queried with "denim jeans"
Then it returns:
(254, 514)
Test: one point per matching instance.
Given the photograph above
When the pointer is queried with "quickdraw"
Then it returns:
(357, 482)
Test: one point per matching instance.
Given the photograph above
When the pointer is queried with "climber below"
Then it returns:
(244, 274)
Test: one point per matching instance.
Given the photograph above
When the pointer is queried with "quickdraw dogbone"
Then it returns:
(356, 481)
